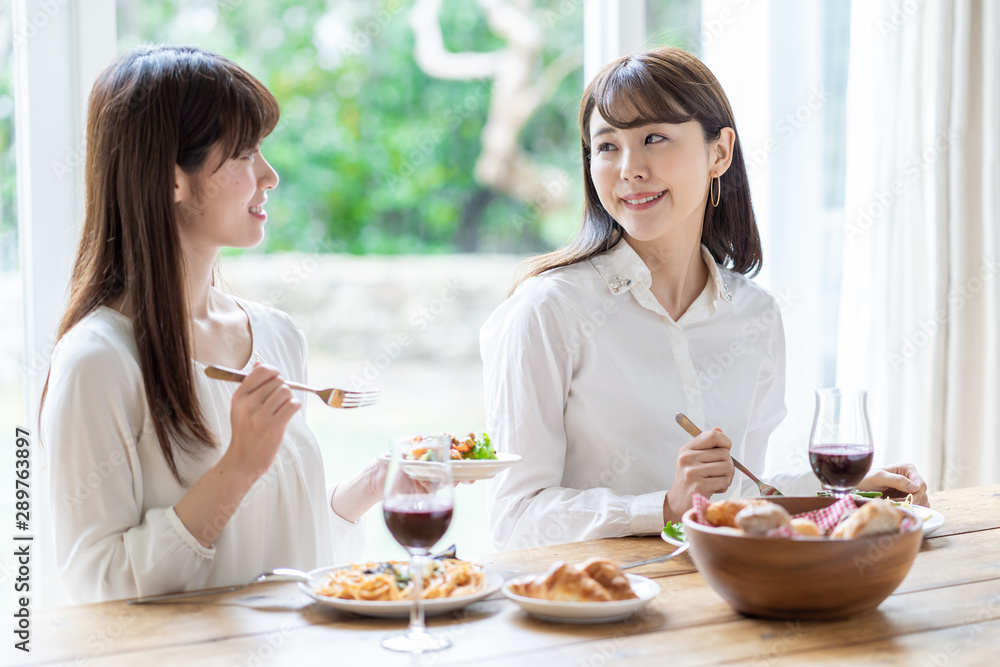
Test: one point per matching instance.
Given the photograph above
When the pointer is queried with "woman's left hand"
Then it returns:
(896, 481)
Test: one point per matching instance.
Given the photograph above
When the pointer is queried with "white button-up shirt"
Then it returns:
(584, 372)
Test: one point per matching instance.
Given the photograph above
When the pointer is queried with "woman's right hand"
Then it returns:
(703, 466)
(261, 409)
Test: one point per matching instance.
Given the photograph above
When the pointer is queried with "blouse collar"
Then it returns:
(622, 269)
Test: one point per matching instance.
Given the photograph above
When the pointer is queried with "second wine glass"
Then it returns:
(840, 445)
(418, 504)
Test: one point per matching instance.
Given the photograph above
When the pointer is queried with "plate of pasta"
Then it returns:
(383, 589)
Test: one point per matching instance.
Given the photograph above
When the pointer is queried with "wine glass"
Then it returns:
(417, 505)
(840, 445)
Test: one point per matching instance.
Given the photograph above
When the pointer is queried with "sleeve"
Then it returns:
(105, 546)
(348, 538)
(528, 363)
(767, 413)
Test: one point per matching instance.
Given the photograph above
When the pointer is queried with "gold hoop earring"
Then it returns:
(715, 198)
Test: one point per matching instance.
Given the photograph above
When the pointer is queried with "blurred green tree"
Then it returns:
(375, 156)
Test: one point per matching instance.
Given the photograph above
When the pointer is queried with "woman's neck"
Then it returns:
(678, 272)
(198, 282)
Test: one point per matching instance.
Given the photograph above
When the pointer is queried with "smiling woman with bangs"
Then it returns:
(648, 312)
(201, 483)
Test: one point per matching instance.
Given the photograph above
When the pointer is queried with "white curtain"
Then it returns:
(920, 300)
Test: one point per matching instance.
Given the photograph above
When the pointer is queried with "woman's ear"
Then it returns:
(182, 186)
(721, 152)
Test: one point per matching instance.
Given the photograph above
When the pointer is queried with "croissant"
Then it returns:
(594, 580)
(610, 576)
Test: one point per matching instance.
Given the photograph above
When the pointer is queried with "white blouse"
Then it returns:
(116, 534)
(584, 372)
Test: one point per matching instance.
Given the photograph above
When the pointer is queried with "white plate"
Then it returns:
(398, 609)
(931, 519)
(670, 540)
(588, 612)
(471, 470)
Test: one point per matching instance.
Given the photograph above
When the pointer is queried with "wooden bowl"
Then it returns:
(805, 577)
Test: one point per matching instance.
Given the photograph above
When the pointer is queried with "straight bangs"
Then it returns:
(223, 105)
(248, 113)
(631, 95)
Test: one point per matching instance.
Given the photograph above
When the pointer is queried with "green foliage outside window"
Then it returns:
(374, 155)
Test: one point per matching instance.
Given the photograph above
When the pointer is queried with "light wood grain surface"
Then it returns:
(945, 613)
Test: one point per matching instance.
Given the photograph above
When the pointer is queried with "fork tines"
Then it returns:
(359, 399)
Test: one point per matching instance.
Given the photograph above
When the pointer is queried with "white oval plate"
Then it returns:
(471, 470)
(395, 609)
(588, 612)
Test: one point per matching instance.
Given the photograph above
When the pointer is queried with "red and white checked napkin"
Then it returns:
(825, 518)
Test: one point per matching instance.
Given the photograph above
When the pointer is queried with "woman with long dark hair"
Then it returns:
(648, 312)
(164, 480)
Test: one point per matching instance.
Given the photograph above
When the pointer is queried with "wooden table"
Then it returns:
(946, 612)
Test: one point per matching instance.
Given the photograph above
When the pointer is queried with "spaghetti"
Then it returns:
(390, 581)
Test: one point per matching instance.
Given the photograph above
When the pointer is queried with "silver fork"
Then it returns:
(335, 398)
(676, 552)
(277, 574)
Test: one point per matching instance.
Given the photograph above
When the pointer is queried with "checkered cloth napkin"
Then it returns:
(825, 518)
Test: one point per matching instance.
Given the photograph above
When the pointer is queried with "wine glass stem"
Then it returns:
(417, 626)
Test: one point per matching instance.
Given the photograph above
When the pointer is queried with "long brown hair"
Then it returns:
(152, 109)
(664, 85)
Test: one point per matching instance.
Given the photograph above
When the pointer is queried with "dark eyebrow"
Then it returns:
(603, 131)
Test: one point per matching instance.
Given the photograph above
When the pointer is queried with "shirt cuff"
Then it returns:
(189, 539)
(646, 513)
(339, 521)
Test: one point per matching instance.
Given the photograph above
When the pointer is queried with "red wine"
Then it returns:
(417, 522)
(841, 466)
